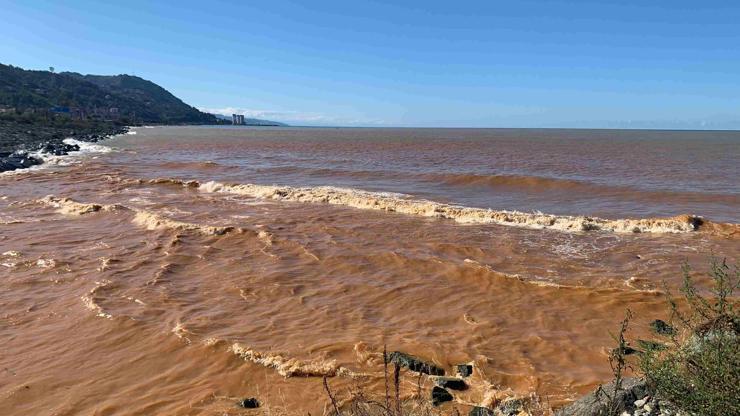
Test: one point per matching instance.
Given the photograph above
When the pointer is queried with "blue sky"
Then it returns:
(641, 64)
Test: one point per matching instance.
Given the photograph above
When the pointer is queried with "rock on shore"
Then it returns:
(415, 364)
(633, 399)
(19, 142)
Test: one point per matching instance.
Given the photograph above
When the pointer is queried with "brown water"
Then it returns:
(164, 274)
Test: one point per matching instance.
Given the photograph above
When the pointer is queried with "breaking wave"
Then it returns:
(291, 367)
(170, 181)
(87, 147)
(466, 215)
(89, 300)
(512, 182)
(68, 206)
(152, 221)
(147, 219)
(66, 156)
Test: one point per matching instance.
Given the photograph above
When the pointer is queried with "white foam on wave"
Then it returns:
(72, 158)
(152, 221)
(147, 219)
(291, 367)
(68, 206)
(86, 147)
(7, 220)
(46, 263)
(89, 300)
(466, 215)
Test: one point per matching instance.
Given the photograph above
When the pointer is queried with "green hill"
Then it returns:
(128, 98)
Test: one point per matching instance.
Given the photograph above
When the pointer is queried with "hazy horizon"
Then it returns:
(533, 64)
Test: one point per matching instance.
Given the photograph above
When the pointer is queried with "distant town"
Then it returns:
(240, 120)
(237, 119)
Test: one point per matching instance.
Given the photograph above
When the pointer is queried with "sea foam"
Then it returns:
(291, 367)
(143, 218)
(465, 215)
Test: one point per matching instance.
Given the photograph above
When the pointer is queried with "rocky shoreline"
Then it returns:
(20, 143)
(633, 396)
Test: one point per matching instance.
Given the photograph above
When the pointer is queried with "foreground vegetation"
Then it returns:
(698, 369)
(693, 368)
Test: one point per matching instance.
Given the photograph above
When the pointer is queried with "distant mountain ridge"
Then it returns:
(134, 99)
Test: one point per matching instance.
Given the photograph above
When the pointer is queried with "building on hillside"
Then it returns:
(77, 113)
(237, 119)
(63, 111)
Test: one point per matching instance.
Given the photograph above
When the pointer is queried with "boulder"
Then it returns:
(58, 149)
(18, 161)
(250, 403)
(440, 395)
(415, 364)
(627, 350)
(465, 370)
(480, 411)
(451, 383)
(511, 407)
(596, 402)
(660, 327)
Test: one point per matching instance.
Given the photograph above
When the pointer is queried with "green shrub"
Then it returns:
(698, 369)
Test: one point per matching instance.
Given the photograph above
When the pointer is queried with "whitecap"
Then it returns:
(404, 204)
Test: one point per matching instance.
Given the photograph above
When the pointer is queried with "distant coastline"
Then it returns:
(40, 109)
(249, 121)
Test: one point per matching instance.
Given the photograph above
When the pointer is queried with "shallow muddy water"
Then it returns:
(177, 270)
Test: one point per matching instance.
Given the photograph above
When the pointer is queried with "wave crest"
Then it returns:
(90, 303)
(171, 181)
(152, 221)
(147, 219)
(466, 215)
(68, 206)
(291, 367)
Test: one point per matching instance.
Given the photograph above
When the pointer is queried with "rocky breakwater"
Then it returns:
(23, 146)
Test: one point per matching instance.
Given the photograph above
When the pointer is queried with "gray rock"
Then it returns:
(480, 411)
(465, 370)
(415, 364)
(451, 383)
(511, 407)
(596, 402)
(661, 327)
(250, 403)
(440, 395)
